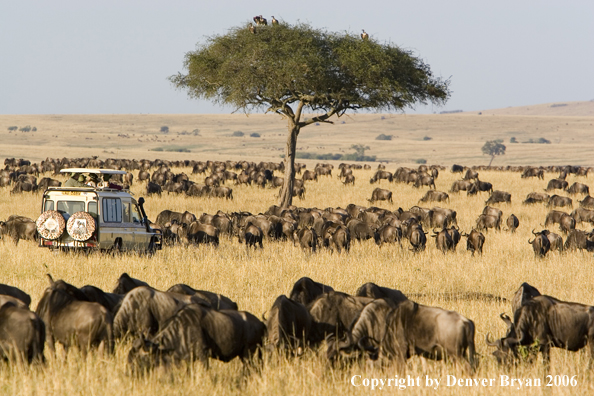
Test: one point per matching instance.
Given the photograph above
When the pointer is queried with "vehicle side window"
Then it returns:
(49, 205)
(92, 209)
(112, 210)
(136, 214)
(126, 212)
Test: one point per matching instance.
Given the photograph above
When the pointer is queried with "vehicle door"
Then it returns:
(141, 237)
(113, 225)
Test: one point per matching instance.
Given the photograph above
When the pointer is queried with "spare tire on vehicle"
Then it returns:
(50, 224)
(81, 226)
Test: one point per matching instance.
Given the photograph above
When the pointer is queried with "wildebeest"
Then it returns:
(479, 186)
(416, 236)
(197, 333)
(425, 180)
(437, 196)
(524, 293)
(379, 175)
(432, 332)
(17, 228)
(578, 239)
(252, 235)
(540, 244)
(547, 322)
(72, 320)
(484, 222)
(111, 301)
(470, 174)
(533, 172)
(374, 291)
(387, 234)
(512, 223)
(333, 312)
(443, 240)
(457, 168)
(557, 200)
(461, 185)
(587, 202)
(380, 194)
(217, 301)
(349, 179)
(557, 184)
(167, 216)
(48, 182)
(288, 324)
(579, 188)
(305, 290)
(307, 238)
(153, 188)
(22, 334)
(125, 283)
(474, 241)
(535, 197)
(199, 233)
(499, 196)
(16, 293)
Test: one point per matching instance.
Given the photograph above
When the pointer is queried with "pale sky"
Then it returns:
(114, 57)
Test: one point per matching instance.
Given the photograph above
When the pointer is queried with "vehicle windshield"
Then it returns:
(68, 208)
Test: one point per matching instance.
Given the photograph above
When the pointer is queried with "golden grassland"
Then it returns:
(254, 278)
(455, 138)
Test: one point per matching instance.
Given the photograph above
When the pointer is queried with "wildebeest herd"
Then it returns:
(374, 323)
(183, 324)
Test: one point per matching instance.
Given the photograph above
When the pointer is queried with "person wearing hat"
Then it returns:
(93, 180)
(76, 180)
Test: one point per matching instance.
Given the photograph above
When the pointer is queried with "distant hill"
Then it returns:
(572, 109)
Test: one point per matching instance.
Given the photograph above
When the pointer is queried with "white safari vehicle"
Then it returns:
(95, 217)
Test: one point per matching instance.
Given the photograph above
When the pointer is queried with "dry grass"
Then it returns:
(456, 138)
(255, 278)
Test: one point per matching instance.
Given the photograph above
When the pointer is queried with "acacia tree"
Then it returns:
(493, 148)
(292, 69)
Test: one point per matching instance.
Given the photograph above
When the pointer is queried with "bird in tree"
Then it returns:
(274, 21)
(493, 148)
(364, 35)
(296, 69)
(252, 29)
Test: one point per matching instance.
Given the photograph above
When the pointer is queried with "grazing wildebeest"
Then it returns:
(48, 182)
(499, 196)
(512, 223)
(309, 175)
(431, 332)
(557, 200)
(474, 241)
(380, 194)
(305, 290)
(374, 291)
(349, 179)
(365, 333)
(583, 215)
(535, 197)
(579, 188)
(199, 233)
(556, 242)
(288, 324)
(153, 188)
(457, 168)
(578, 239)
(547, 322)
(307, 238)
(524, 293)
(533, 172)
(479, 186)
(540, 244)
(557, 184)
(22, 333)
(72, 320)
(437, 196)
(197, 333)
(470, 174)
(587, 202)
(484, 222)
(379, 175)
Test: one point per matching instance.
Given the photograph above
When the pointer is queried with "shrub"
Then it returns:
(13, 128)
(165, 129)
(238, 134)
(383, 137)
(421, 161)
(427, 138)
(513, 140)
(255, 135)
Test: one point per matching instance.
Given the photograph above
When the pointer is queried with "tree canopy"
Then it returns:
(493, 148)
(291, 69)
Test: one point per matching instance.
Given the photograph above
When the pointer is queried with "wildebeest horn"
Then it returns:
(51, 280)
(488, 342)
(534, 232)
(507, 320)
(530, 242)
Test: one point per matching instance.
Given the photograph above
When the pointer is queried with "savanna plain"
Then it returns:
(254, 278)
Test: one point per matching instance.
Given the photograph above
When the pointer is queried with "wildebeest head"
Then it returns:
(126, 283)
(143, 355)
(507, 347)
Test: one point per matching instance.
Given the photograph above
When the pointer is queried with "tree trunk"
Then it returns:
(490, 162)
(286, 194)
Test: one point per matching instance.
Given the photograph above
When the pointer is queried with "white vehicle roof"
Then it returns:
(96, 171)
